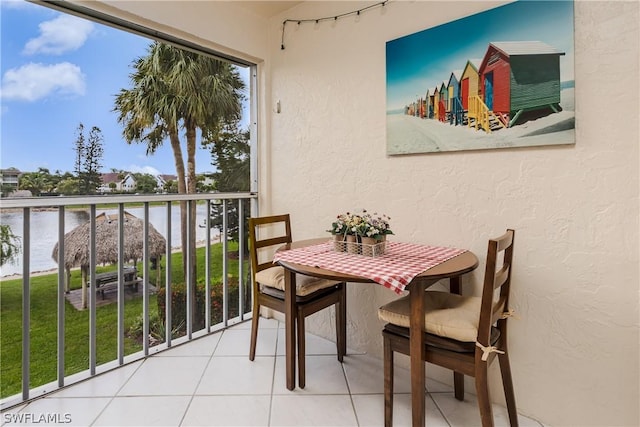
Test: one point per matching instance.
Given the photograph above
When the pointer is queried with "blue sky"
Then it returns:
(424, 59)
(59, 71)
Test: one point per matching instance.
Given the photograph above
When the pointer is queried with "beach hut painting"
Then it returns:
(509, 81)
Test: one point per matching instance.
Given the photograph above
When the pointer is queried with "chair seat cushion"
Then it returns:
(446, 315)
(431, 340)
(305, 285)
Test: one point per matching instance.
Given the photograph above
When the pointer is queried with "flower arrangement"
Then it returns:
(362, 225)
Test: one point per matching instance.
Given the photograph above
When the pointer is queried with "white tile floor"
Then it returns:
(211, 382)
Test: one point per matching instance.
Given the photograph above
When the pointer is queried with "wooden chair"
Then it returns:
(460, 333)
(312, 294)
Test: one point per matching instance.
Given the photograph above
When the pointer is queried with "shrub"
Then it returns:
(179, 307)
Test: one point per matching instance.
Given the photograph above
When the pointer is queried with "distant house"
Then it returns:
(520, 76)
(108, 179)
(162, 179)
(128, 183)
(9, 179)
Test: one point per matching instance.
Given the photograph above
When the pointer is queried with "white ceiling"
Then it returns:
(268, 8)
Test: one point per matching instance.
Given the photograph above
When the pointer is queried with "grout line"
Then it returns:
(273, 376)
(439, 409)
(206, 366)
(346, 380)
(112, 398)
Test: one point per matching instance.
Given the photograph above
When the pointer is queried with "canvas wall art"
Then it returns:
(501, 78)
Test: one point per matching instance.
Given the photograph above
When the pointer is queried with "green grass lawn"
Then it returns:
(43, 319)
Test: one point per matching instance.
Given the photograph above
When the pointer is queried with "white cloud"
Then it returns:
(36, 81)
(62, 34)
(144, 169)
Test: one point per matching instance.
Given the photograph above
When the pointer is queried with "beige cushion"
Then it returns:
(447, 315)
(305, 285)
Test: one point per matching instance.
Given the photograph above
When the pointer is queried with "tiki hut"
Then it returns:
(76, 245)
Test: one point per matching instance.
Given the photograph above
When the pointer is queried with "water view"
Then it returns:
(44, 231)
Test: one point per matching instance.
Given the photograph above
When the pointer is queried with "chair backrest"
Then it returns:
(497, 276)
(266, 234)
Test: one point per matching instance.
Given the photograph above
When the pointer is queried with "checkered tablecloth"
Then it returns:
(395, 269)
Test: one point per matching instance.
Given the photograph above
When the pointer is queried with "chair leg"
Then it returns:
(482, 392)
(458, 385)
(254, 331)
(388, 383)
(507, 385)
(341, 324)
(301, 350)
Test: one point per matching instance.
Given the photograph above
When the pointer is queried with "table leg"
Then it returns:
(458, 379)
(455, 286)
(416, 350)
(290, 327)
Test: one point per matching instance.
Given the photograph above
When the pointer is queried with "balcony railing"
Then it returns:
(208, 293)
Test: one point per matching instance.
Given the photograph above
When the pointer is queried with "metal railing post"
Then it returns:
(121, 284)
(61, 292)
(26, 302)
(145, 281)
(225, 264)
(207, 266)
(188, 279)
(167, 282)
(241, 250)
(92, 291)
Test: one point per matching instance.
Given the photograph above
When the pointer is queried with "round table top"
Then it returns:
(456, 266)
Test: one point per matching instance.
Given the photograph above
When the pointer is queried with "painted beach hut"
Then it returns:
(516, 77)
(469, 82)
(432, 107)
(427, 105)
(436, 102)
(442, 103)
(455, 106)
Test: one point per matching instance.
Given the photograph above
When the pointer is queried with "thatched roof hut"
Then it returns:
(76, 244)
(76, 241)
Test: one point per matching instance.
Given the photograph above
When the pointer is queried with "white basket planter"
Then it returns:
(368, 246)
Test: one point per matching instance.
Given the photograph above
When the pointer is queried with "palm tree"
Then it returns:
(173, 90)
(9, 245)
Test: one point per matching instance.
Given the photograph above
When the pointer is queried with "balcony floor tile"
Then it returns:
(211, 382)
(231, 375)
(166, 376)
(228, 411)
(320, 410)
(144, 411)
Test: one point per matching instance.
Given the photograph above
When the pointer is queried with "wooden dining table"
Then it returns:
(452, 269)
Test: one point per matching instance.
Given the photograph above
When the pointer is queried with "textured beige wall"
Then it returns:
(574, 208)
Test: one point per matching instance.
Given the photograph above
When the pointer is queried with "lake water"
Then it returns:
(44, 231)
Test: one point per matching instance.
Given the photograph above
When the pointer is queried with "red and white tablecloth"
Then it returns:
(395, 269)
